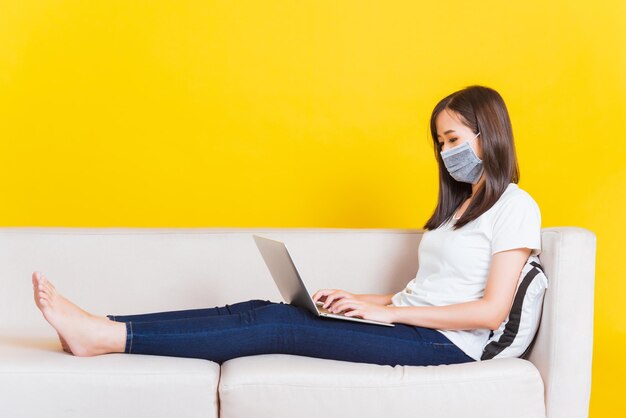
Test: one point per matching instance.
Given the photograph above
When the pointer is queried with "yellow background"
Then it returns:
(310, 114)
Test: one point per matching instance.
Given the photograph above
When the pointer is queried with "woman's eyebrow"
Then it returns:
(447, 132)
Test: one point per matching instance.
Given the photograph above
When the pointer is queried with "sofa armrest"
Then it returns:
(562, 350)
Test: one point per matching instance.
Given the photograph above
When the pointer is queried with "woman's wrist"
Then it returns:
(375, 298)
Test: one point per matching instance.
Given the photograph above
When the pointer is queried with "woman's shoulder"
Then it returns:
(515, 198)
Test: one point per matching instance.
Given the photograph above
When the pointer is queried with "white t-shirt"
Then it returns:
(454, 265)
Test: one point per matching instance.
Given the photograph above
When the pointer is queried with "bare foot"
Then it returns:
(80, 332)
(66, 347)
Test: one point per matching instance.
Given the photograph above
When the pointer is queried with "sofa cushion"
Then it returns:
(516, 332)
(38, 379)
(282, 385)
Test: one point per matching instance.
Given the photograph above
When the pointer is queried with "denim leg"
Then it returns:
(286, 329)
(192, 313)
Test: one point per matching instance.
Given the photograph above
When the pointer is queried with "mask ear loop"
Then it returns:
(482, 170)
(483, 167)
(477, 127)
(474, 152)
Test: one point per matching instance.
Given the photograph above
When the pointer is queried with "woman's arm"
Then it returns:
(488, 312)
(332, 295)
(375, 298)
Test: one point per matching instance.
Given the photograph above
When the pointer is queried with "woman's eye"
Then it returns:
(451, 140)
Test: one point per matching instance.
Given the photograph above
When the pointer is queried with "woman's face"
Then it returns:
(451, 132)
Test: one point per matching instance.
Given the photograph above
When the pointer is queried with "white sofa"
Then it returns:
(135, 270)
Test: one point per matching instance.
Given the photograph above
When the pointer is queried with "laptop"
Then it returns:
(290, 284)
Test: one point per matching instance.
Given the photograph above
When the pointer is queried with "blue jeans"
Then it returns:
(263, 327)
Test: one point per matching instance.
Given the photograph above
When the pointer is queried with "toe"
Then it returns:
(49, 288)
(35, 278)
(40, 279)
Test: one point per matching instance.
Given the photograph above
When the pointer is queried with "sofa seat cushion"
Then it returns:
(38, 379)
(281, 385)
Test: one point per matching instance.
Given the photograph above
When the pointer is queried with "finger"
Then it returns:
(335, 296)
(343, 302)
(337, 306)
(320, 293)
(329, 300)
(344, 305)
(354, 313)
(323, 292)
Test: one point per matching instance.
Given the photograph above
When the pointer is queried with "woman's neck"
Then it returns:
(476, 186)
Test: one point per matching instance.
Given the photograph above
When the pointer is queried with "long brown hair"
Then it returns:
(481, 109)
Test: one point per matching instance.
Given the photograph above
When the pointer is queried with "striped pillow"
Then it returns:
(518, 330)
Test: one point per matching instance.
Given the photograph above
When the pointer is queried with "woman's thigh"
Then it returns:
(286, 329)
(227, 309)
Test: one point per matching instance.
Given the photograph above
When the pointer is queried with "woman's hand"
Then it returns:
(365, 310)
(332, 295)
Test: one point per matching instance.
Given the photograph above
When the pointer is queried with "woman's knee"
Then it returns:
(260, 302)
(278, 312)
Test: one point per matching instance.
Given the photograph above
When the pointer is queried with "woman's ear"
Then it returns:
(479, 146)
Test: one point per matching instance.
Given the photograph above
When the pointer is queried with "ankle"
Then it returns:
(116, 337)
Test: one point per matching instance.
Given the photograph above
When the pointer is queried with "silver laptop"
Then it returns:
(289, 283)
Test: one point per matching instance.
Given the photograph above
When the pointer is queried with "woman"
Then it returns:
(471, 255)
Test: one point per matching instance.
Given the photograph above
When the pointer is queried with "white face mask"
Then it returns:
(462, 163)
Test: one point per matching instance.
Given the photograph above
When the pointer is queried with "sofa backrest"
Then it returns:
(135, 270)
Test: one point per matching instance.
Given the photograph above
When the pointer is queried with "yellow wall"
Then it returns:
(310, 113)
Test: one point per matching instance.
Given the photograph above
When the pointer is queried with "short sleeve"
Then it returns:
(517, 224)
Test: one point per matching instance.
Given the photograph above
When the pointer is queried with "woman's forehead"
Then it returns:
(448, 120)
